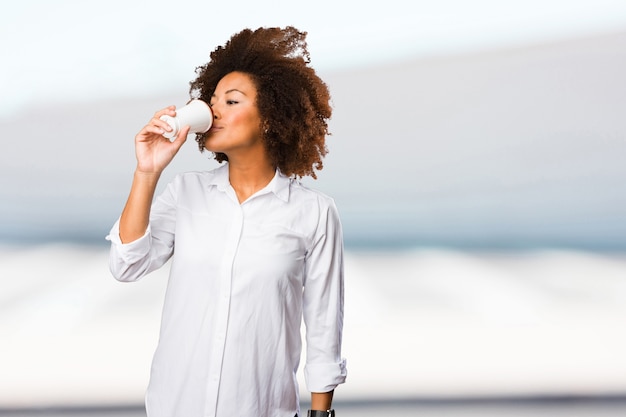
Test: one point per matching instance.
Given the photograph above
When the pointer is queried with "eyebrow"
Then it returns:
(232, 90)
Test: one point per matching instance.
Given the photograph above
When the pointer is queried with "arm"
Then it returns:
(154, 152)
(135, 252)
(323, 310)
(321, 400)
(136, 213)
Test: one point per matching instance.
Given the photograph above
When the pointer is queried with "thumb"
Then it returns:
(181, 137)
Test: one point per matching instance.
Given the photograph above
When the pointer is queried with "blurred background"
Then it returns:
(476, 158)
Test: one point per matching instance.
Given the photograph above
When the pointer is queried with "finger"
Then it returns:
(160, 123)
(156, 124)
(151, 129)
(182, 136)
(169, 110)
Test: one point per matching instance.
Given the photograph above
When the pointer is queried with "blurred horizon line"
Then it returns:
(387, 243)
(531, 399)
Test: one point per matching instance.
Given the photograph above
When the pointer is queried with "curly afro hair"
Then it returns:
(293, 102)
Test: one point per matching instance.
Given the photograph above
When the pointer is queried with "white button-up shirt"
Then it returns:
(242, 278)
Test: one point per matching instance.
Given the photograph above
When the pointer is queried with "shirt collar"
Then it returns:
(279, 185)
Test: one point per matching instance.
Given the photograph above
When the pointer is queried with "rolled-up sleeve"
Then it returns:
(133, 260)
(323, 304)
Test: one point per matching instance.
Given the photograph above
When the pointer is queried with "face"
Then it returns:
(236, 126)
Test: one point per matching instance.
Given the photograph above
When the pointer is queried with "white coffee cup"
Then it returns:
(196, 114)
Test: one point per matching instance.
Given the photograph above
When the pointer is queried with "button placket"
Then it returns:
(222, 312)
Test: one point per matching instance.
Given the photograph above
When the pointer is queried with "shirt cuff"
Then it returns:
(325, 377)
(130, 251)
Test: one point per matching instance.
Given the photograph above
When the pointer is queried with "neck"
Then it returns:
(248, 178)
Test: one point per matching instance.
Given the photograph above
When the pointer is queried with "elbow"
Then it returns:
(127, 273)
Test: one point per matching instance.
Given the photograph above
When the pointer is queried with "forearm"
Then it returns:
(321, 400)
(136, 213)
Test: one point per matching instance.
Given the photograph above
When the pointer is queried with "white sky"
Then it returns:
(77, 49)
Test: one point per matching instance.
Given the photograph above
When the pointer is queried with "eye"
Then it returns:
(231, 102)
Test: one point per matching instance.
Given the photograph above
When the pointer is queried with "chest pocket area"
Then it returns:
(273, 248)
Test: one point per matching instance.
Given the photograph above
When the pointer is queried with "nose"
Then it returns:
(214, 112)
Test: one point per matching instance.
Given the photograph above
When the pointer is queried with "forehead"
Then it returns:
(236, 81)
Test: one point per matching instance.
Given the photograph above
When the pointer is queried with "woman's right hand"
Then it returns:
(153, 150)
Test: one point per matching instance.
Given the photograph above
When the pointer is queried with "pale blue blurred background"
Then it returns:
(476, 158)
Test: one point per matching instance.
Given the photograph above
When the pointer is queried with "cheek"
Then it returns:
(252, 123)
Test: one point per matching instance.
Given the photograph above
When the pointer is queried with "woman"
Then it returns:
(253, 251)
